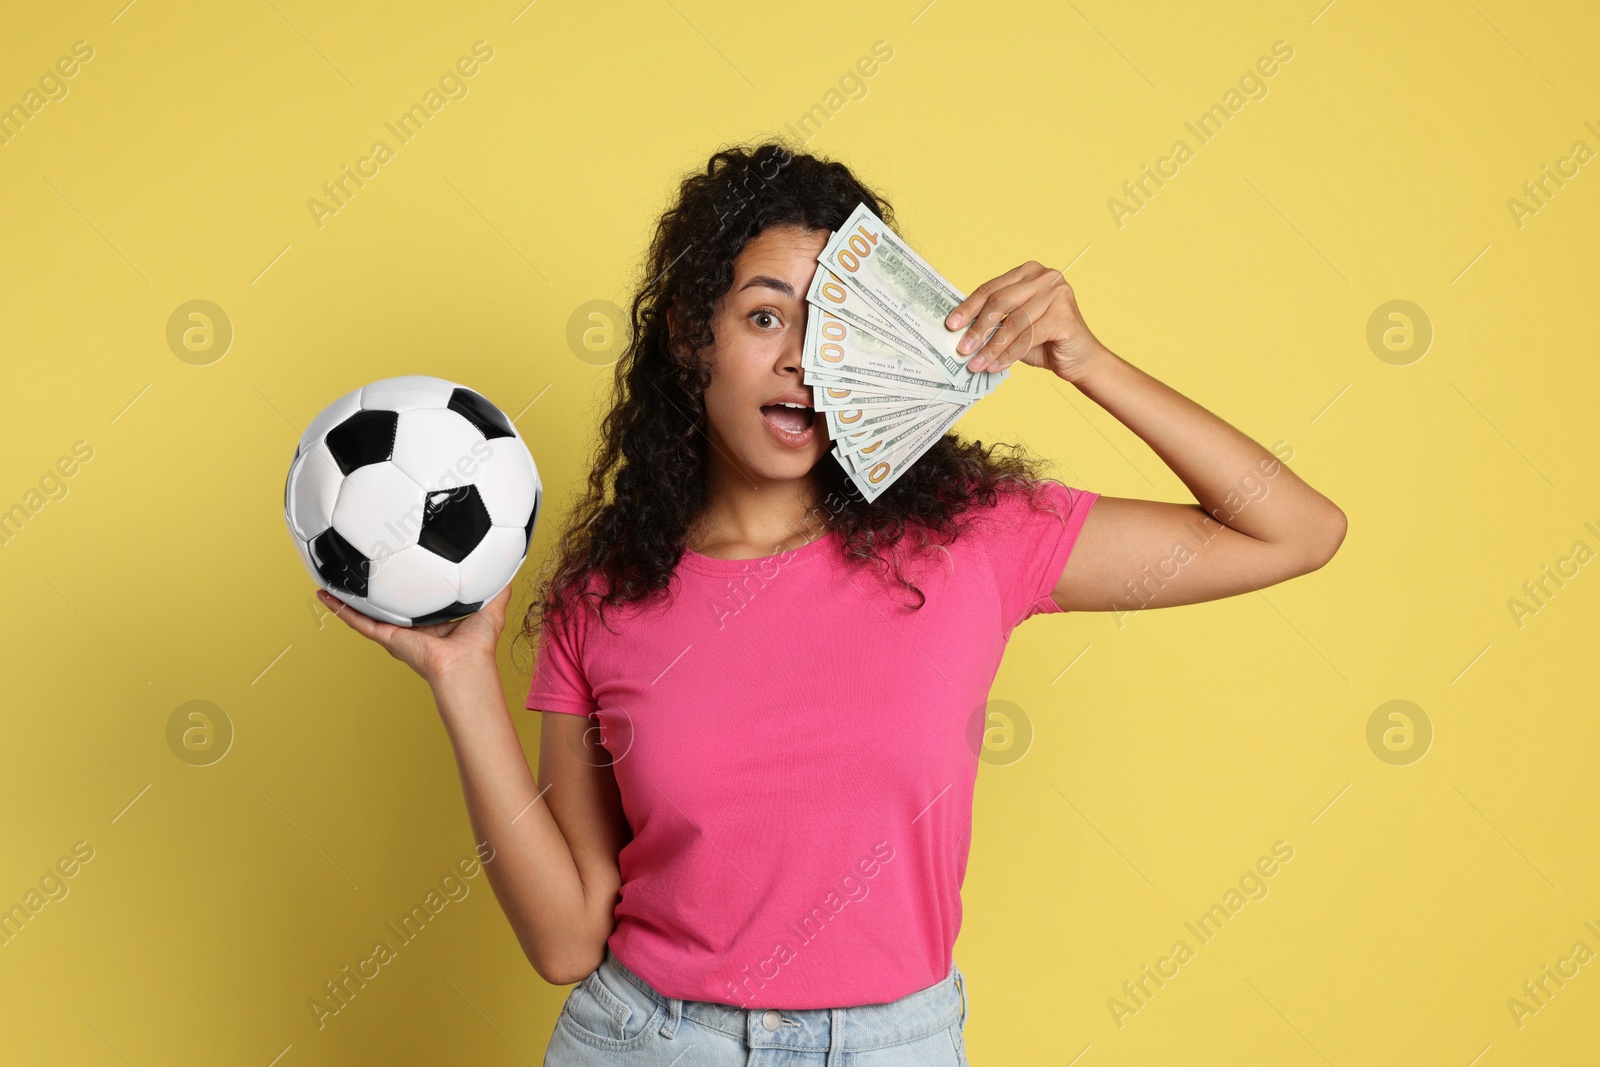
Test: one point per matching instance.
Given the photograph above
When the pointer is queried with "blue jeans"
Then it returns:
(615, 1017)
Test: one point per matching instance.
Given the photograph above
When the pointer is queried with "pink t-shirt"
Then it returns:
(794, 747)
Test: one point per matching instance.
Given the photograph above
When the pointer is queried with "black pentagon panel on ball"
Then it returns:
(476, 409)
(453, 522)
(339, 563)
(365, 437)
(533, 517)
(454, 611)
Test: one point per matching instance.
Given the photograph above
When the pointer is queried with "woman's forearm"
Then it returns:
(1211, 457)
(533, 872)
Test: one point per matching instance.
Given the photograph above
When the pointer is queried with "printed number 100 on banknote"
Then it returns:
(900, 285)
(856, 248)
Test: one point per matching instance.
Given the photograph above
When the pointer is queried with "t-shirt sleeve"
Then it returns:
(1028, 547)
(559, 681)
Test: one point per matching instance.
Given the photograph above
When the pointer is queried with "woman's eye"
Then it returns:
(758, 316)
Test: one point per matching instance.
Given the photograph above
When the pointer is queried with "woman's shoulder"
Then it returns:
(992, 516)
(594, 603)
(1014, 500)
(1014, 517)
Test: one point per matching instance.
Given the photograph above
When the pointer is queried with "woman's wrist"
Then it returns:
(1090, 372)
(464, 677)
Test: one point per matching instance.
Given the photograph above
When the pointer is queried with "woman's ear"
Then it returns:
(674, 334)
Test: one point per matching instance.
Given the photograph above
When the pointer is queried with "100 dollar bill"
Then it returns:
(836, 298)
(874, 474)
(838, 394)
(833, 345)
(853, 430)
(885, 439)
(899, 285)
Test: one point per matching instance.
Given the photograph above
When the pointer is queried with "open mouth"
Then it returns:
(792, 419)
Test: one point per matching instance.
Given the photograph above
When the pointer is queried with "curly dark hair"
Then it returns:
(648, 481)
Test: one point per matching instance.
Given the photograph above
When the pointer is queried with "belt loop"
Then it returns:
(674, 1014)
(836, 1037)
(961, 984)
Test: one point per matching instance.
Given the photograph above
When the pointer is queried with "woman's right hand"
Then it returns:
(553, 864)
(432, 651)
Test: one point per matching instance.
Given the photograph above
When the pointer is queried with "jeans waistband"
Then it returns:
(852, 1029)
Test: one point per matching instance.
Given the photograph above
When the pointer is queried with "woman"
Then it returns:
(762, 843)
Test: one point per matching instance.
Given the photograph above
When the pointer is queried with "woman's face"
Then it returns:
(760, 328)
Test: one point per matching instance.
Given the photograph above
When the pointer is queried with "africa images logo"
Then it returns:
(852, 889)
(452, 85)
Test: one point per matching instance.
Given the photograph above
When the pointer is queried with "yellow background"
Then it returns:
(1180, 744)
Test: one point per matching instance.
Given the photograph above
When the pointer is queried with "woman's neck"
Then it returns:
(751, 521)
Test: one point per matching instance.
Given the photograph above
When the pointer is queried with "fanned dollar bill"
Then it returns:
(836, 396)
(833, 296)
(874, 473)
(834, 346)
(898, 286)
(882, 367)
(854, 429)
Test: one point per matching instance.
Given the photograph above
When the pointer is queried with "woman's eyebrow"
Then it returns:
(769, 282)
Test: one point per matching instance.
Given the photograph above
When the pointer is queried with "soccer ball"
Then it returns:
(412, 499)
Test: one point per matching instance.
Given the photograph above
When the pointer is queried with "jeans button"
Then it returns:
(771, 1019)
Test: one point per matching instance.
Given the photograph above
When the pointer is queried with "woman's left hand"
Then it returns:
(1038, 324)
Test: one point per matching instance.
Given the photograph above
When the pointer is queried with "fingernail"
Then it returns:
(966, 344)
(953, 320)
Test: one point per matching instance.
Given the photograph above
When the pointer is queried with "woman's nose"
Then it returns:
(792, 353)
